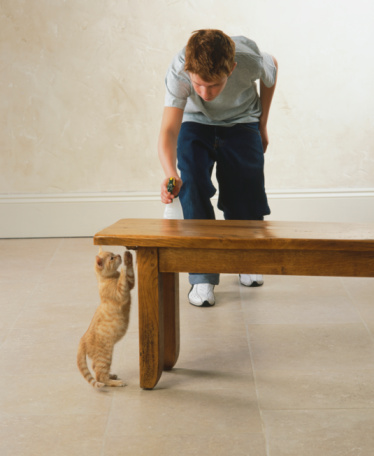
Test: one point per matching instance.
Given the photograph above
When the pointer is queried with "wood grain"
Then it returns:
(278, 262)
(151, 324)
(238, 234)
(169, 288)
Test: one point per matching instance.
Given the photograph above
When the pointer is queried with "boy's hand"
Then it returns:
(167, 197)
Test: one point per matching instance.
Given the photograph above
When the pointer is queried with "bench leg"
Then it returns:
(151, 318)
(169, 290)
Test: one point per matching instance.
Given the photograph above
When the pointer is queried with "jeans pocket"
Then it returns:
(251, 127)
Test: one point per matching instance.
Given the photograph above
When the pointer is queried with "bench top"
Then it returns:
(238, 234)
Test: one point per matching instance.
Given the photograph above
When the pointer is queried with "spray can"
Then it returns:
(174, 209)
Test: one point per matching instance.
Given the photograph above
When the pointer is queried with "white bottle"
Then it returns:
(174, 210)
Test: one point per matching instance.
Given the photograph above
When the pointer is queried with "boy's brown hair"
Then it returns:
(210, 54)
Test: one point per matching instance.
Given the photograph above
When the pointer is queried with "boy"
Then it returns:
(213, 114)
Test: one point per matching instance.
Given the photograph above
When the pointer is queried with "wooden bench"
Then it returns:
(167, 247)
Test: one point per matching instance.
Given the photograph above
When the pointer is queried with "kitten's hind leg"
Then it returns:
(116, 383)
(108, 380)
(103, 375)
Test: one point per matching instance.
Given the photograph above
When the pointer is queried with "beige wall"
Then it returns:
(82, 88)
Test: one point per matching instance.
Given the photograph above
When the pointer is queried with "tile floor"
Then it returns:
(282, 370)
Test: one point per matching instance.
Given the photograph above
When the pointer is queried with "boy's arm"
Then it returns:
(167, 150)
(266, 96)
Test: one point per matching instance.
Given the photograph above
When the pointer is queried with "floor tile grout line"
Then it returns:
(105, 435)
(267, 449)
(317, 409)
(352, 302)
(263, 426)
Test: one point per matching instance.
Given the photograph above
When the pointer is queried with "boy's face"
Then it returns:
(208, 91)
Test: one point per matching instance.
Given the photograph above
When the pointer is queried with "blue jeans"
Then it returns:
(238, 154)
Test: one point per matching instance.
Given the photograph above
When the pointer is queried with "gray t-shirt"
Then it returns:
(239, 101)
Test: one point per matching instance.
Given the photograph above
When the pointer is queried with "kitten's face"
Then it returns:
(107, 263)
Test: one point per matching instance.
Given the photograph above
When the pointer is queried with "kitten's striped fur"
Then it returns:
(110, 321)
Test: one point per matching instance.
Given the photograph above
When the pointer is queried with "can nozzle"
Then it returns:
(171, 184)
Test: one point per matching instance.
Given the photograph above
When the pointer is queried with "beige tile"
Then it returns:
(124, 444)
(15, 292)
(315, 389)
(13, 299)
(308, 347)
(238, 444)
(26, 259)
(73, 435)
(298, 300)
(212, 363)
(215, 322)
(319, 432)
(359, 288)
(370, 326)
(24, 356)
(191, 379)
(52, 394)
(210, 444)
(228, 353)
(361, 292)
(284, 369)
(168, 411)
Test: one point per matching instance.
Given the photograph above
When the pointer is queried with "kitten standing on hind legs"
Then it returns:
(111, 319)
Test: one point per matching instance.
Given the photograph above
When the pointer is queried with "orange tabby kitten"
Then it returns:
(111, 319)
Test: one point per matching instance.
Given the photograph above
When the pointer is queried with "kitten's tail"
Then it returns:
(82, 366)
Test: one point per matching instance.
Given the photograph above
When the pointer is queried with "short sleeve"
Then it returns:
(178, 85)
(268, 71)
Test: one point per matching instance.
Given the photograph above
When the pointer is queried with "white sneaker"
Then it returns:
(251, 280)
(201, 295)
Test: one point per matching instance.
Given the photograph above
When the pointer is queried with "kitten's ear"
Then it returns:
(99, 262)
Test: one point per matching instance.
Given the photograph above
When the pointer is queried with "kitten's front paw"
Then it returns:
(127, 258)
